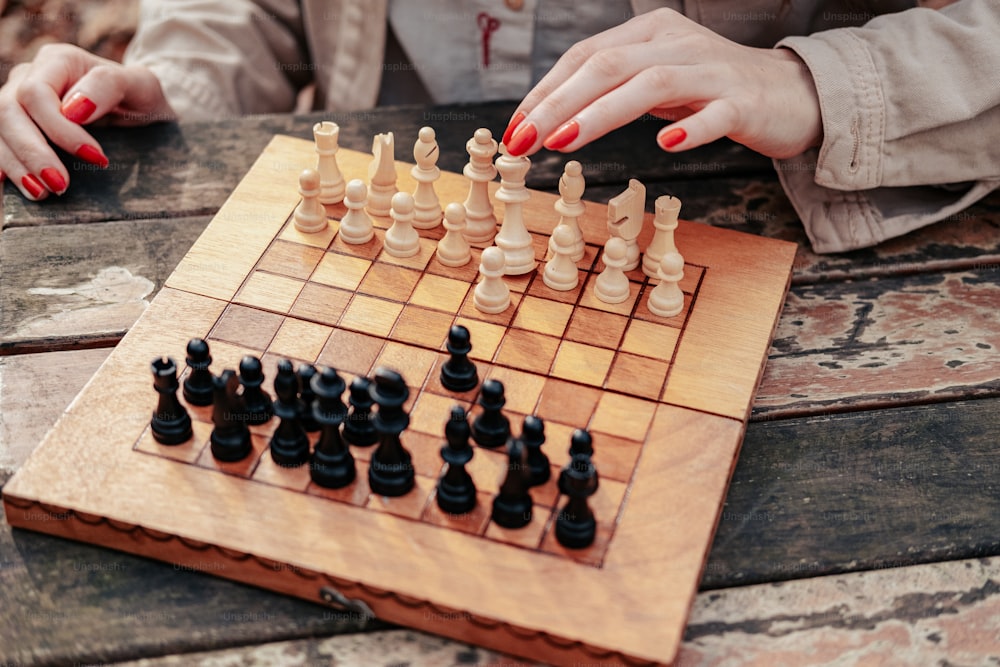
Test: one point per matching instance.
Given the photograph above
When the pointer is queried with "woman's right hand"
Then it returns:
(52, 97)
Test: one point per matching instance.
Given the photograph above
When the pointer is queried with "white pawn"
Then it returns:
(667, 299)
(492, 294)
(665, 222)
(382, 175)
(481, 221)
(453, 249)
(356, 227)
(309, 216)
(560, 272)
(569, 207)
(611, 285)
(331, 181)
(425, 172)
(401, 240)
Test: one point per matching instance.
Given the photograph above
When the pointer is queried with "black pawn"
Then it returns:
(459, 373)
(307, 398)
(332, 463)
(290, 442)
(533, 436)
(256, 402)
(456, 492)
(359, 429)
(491, 428)
(230, 437)
(576, 527)
(390, 472)
(171, 423)
(512, 508)
(198, 383)
(580, 443)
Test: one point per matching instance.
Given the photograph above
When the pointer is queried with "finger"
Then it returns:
(653, 88)
(632, 31)
(718, 119)
(37, 94)
(29, 185)
(131, 92)
(600, 75)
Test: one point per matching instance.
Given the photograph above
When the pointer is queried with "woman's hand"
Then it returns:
(664, 64)
(50, 98)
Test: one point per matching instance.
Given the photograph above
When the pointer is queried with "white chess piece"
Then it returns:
(331, 182)
(625, 217)
(560, 272)
(453, 249)
(569, 207)
(382, 175)
(425, 172)
(356, 227)
(665, 221)
(513, 237)
(667, 299)
(309, 216)
(611, 285)
(401, 240)
(491, 294)
(480, 221)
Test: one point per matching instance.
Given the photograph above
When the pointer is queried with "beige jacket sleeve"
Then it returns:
(217, 59)
(911, 121)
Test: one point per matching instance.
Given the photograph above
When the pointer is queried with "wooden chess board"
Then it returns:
(666, 401)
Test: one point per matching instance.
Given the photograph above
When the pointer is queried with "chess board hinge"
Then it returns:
(341, 602)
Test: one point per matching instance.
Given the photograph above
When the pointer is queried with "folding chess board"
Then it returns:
(666, 401)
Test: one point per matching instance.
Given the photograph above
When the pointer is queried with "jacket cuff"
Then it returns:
(852, 106)
(191, 97)
(838, 221)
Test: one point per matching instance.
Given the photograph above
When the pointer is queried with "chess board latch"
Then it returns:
(339, 601)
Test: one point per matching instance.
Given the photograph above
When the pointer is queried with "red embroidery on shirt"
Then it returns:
(488, 25)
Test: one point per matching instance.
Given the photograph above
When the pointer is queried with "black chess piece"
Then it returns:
(390, 472)
(456, 492)
(576, 526)
(512, 508)
(579, 443)
(290, 442)
(307, 398)
(359, 429)
(198, 383)
(491, 428)
(533, 436)
(258, 405)
(230, 437)
(459, 373)
(171, 423)
(332, 464)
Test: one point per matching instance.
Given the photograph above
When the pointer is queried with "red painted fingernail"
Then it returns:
(31, 184)
(78, 108)
(92, 155)
(514, 122)
(54, 181)
(523, 139)
(671, 138)
(562, 137)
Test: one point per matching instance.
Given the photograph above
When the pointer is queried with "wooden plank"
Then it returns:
(860, 491)
(945, 613)
(34, 391)
(860, 344)
(60, 284)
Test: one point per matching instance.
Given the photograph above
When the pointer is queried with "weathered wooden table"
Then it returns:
(864, 513)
